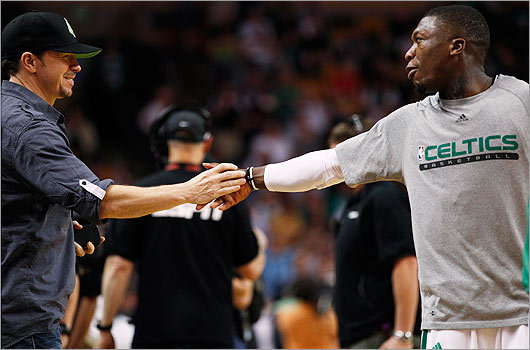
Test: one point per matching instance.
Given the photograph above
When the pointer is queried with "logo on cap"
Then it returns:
(70, 28)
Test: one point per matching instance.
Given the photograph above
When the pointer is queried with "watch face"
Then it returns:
(403, 336)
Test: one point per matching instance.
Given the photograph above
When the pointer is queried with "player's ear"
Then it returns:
(457, 46)
(208, 144)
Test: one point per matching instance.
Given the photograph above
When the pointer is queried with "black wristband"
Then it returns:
(250, 179)
(104, 328)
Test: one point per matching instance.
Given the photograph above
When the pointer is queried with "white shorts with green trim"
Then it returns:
(515, 337)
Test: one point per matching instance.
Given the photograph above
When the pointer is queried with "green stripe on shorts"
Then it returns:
(423, 340)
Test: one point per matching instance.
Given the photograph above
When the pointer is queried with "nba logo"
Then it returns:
(421, 153)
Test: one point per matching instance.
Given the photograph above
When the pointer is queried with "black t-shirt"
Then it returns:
(184, 260)
(375, 231)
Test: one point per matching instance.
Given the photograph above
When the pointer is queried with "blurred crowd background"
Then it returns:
(276, 77)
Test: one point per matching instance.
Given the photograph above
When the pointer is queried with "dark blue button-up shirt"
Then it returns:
(41, 185)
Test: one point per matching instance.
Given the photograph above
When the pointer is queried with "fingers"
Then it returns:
(209, 165)
(216, 203)
(90, 248)
(79, 250)
(220, 168)
(228, 175)
(199, 206)
(101, 240)
(226, 205)
(227, 190)
(77, 225)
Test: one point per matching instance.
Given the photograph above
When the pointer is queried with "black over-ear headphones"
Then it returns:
(159, 132)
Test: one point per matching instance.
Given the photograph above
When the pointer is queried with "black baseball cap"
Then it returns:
(42, 31)
(187, 125)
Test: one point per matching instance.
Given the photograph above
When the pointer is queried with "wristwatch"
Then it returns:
(405, 337)
(103, 328)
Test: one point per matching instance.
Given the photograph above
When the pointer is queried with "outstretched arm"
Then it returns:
(314, 170)
(122, 202)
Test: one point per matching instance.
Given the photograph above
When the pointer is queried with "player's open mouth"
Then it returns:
(412, 72)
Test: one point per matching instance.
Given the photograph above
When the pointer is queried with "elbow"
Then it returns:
(117, 265)
(406, 267)
(254, 268)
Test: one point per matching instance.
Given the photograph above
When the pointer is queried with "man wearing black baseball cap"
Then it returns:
(189, 255)
(41, 31)
(43, 181)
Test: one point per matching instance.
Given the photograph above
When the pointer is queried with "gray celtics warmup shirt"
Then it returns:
(465, 165)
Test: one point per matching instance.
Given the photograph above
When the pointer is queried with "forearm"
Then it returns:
(131, 201)
(116, 275)
(405, 288)
(242, 292)
(314, 170)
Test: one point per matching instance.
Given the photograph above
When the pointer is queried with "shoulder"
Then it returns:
(511, 83)
(519, 88)
(400, 117)
(18, 115)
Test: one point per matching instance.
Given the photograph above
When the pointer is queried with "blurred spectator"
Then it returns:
(164, 96)
(306, 320)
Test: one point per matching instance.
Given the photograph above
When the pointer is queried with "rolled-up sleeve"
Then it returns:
(45, 161)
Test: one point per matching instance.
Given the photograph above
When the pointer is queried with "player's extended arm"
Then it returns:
(314, 170)
(405, 289)
(115, 280)
(122, 202)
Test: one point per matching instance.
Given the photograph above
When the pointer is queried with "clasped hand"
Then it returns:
(228, 200)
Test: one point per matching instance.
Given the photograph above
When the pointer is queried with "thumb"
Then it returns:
(77, 225)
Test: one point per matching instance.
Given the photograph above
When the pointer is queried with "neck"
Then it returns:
(187, 155)
(31, 85)
(470, 83)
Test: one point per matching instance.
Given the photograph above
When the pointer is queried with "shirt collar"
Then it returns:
(18, 91)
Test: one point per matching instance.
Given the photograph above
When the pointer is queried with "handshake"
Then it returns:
(224, 184)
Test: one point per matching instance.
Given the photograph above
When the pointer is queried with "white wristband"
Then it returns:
(315, 170)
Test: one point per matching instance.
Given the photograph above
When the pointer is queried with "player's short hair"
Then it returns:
(466, 22)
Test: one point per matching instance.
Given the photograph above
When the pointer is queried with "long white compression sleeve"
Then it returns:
(319, 169)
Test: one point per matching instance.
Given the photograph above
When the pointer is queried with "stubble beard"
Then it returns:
(420, 90)
(65, 92)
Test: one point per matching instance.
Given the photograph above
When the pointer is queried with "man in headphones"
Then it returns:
(184, 257)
